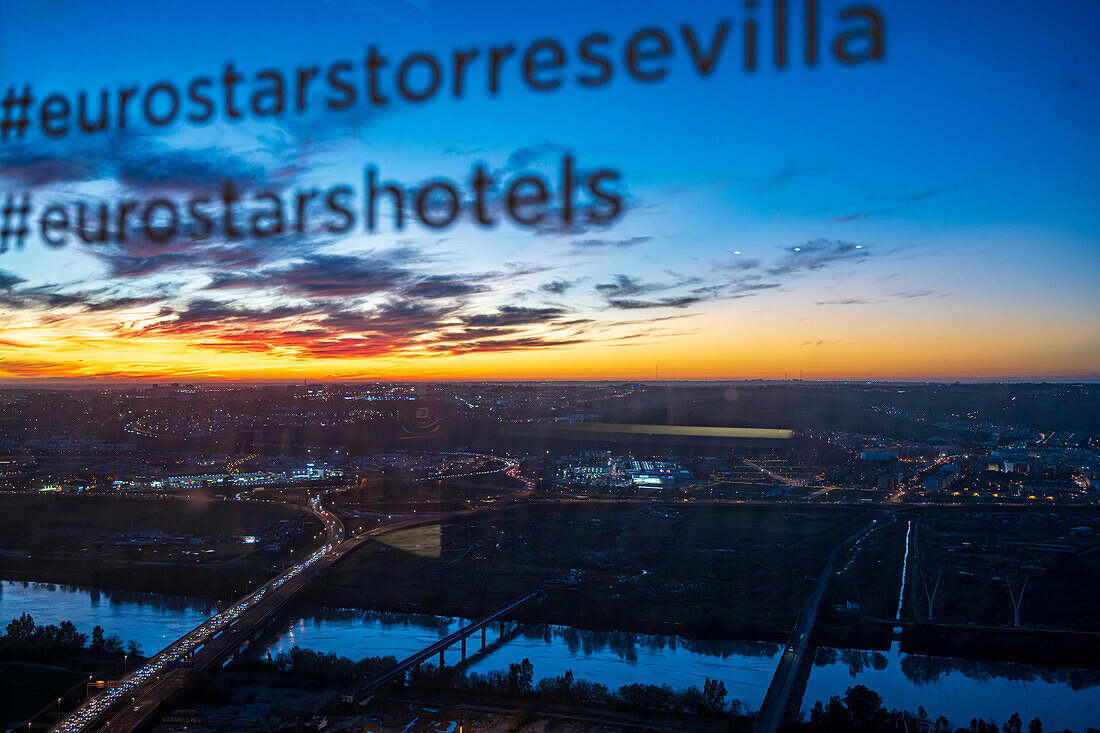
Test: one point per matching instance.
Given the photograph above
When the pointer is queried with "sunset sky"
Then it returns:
(935, 215)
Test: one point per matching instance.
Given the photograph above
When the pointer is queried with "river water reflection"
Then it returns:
(612, 658)
(150, 619)
(961, 689)
(958, 689)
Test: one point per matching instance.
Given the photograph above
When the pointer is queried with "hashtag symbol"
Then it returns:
(16, 111)
(16, 211)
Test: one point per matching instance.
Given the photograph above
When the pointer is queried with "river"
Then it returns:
(958, 689)
(150, 619)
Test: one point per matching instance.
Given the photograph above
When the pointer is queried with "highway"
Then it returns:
(774, 707)
(138, 696)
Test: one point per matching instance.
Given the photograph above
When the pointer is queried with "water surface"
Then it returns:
(151, 619)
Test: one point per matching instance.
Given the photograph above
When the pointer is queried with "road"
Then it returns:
(139, 695)
(772, 711)
(445, 643)
(778, 477)
(150, 684)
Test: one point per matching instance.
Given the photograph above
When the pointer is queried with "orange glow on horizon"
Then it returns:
(716, 350)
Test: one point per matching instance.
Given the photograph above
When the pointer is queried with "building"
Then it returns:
(942, 480)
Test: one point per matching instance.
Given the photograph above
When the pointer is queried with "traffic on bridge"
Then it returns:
(177, 655)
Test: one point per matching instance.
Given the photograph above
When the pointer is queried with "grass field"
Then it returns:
(26, 688)
(980, 552)
(74, 539)
(717, 571)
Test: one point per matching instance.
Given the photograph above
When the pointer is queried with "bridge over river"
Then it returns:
(137, 697)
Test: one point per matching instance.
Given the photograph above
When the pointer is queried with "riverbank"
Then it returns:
(955, 687)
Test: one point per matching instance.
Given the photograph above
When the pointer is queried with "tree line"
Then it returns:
(23, 639)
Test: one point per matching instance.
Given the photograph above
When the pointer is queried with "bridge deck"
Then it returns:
(444, 643)
(774, 707)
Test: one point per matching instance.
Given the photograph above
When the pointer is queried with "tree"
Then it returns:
(837, 716)
(1013, 724)
(22, 628)
(817, 715)
(714, 695)
(863, 704)
(977, 725)
(113, 644)
(1036, 726)
(521, 676)
(69, 638)
(97, 639)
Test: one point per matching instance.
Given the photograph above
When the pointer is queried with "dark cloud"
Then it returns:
(519, 269)
(556, 287)
(748, 286)
(137, 257)
(134, 160)
(817, 254)
(326, 330)
(119, 304)
(846, 301)
(856, 216)
(411, 318)
(444, 286)
(622, 293)
(9, 280)
(48, 297)
(325, 276)
(554, 224)
(634, 304)
(910, 294)
(514, 315)
(783, 175)
(526, 157)
(624, 285)
(307, 330)
(472, 334)
(129, 266)
(206, 314)
(466, 149)
(921, 195)
(525, 343)
(33, 168)
(159, 166)
(590, 245)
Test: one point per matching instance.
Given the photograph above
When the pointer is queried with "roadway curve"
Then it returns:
(138, 696)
